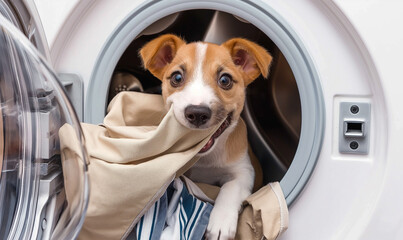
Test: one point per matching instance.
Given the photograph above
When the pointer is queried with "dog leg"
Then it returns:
(224, 216)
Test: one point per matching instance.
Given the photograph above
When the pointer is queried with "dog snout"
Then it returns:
(197, 114)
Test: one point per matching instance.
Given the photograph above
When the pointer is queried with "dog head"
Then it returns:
(205, 83)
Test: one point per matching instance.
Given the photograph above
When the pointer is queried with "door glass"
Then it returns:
(33, 107)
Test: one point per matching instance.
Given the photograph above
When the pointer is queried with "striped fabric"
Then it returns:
(176, 215)
(152, 223)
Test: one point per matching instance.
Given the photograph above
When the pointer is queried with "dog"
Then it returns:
(205, 84)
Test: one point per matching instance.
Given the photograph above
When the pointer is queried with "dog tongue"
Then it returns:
(208, 145)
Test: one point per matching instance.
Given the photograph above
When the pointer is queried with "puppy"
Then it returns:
(205, 84)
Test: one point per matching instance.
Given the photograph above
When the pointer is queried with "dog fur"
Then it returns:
(212, 78)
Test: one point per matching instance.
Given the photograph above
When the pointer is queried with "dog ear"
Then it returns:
(158, 53)
(252, 58)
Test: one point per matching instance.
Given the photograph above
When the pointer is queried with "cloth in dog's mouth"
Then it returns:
(217, 133)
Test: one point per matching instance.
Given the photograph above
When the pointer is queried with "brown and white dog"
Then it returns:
(205, 84)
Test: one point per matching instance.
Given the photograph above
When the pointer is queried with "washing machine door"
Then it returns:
(23, 15)
(33, 106)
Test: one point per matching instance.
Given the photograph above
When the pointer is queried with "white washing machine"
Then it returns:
(326, 123)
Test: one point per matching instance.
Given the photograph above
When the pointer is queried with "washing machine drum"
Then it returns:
(33, 107)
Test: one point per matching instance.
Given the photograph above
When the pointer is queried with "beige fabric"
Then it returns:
(123, 179)
(73, 166)
(265, 214)
(210, 190)
(134, 156)
(196, 191)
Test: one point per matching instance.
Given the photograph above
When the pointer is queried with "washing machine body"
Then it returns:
(344, 174)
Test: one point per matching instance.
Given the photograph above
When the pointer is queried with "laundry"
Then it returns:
(264, 214)
(133, 158)
(185, 214)
(176, 215)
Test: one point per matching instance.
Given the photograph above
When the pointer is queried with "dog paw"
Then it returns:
(222, 224)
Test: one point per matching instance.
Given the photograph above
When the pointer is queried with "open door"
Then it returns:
(33, 106)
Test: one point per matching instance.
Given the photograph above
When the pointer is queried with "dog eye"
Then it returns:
(176, 79)
(225, 82)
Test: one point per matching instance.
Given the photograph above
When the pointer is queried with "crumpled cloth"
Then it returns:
(134, 156)
(264, 214)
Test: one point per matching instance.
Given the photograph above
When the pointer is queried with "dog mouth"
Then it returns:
(217, 133)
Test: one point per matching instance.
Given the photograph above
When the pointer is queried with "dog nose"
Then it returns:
(197, 114)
